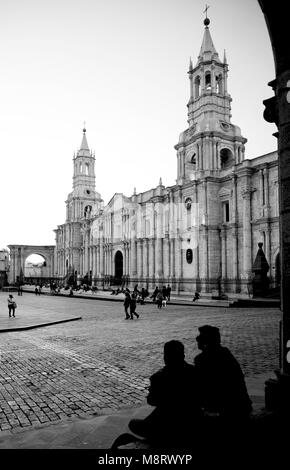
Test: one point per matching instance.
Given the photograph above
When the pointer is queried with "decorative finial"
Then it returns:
(225, 57)
(206, 20)
(190, 64)
(260, 245)
(160, 182)
(134, 191)
(84, 129)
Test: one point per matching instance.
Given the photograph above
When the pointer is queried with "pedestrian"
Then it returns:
(143, 295)
(168, 292)
(19, 289)
(133, 304)
(155, 293)
(11, 305)
(36, 290)
(196, 297)
(164, 291)
(159, 300)
(127, 302)
(39, 289)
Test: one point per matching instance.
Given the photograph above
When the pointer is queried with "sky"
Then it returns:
(120, 66)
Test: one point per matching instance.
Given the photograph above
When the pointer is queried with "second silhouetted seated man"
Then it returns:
(174, 393)
(221, 380)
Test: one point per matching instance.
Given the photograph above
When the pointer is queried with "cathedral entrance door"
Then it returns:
(118, 267)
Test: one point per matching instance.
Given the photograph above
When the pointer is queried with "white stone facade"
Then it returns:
(200, 234)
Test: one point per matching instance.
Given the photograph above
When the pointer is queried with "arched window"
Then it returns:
(193, 159)
(227, 159)
(81, 167)
(87, 211)
(197, 87)
(87, 169)
(208, 81)
(188, 205)
(219, 84)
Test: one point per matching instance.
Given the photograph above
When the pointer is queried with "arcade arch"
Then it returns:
(20, 253)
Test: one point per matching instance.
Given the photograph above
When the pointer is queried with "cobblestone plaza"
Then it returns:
(102, 363)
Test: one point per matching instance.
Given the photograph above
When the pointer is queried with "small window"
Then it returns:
(226, 211)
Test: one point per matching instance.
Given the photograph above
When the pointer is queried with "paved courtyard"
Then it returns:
(101, 363)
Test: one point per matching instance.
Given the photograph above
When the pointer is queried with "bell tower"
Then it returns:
(211, 143)
(83, 198)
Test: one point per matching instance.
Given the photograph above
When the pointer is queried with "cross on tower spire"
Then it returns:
(206, 8)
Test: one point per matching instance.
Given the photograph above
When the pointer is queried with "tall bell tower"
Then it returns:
(84, 197)
(211, 143)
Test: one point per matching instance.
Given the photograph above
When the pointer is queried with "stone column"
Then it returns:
(247, 237)
(224, 252)
(166, 258)
(146, 259)
(101, 258)
(159, 244)
(140, 258)
(235, 256)
(133, 273)
(205, 258)
(152, 261)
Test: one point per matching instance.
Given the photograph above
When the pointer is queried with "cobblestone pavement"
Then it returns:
(102, 362)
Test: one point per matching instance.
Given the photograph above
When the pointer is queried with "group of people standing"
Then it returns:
(161, 296)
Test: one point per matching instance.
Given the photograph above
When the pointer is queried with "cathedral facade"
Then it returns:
(200, 234)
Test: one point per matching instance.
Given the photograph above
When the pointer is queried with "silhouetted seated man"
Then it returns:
(221, 380)
(173, 391)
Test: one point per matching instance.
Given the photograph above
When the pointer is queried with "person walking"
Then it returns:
(11, 305)
(36, 290)
(155, 293)
(127, 302)
(133, 304)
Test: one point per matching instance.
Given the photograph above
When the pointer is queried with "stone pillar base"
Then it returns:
(277, 393)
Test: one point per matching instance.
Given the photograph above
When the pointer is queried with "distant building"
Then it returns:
(4, 267)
